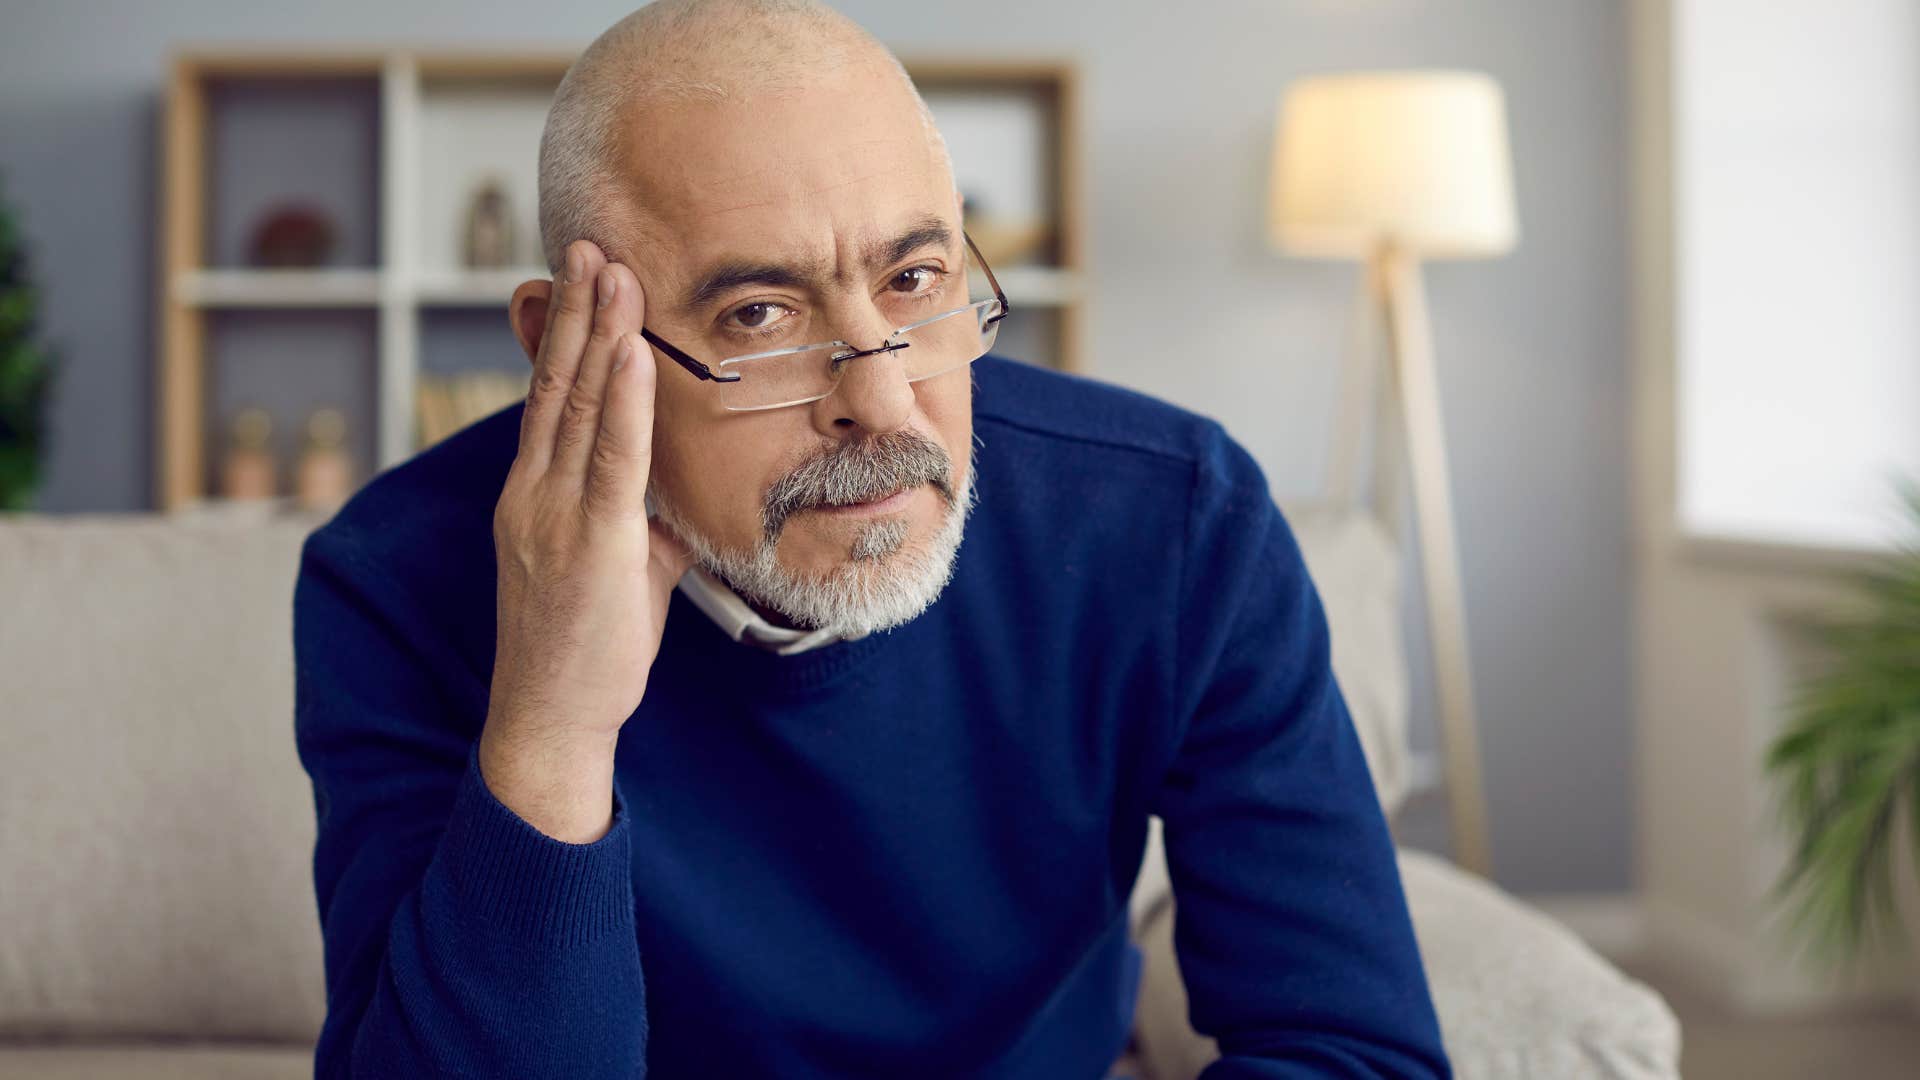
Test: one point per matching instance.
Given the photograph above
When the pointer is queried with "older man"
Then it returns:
(662, 725)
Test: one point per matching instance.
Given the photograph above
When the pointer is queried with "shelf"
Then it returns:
(290, 363)
(275, 144)
(1027, 286)
(455, 340)
(389, 147)
(470, 130)
(328, 287)
(473, 288)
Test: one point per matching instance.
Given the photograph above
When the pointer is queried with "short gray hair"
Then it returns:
(665, 52)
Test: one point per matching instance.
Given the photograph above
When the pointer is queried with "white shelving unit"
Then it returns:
(278, 288)
(472, 288)
(446, 120)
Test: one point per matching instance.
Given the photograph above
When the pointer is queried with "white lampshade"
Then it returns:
(1418, 159)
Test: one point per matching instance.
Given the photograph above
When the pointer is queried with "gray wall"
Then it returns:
(1179, 101)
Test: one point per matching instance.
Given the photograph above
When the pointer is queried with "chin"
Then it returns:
(831, 538)
(815, 577)
(901, 577)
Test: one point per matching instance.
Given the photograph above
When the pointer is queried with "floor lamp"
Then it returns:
(1391, 168)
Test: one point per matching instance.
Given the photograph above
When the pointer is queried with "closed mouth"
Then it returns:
(863, 502)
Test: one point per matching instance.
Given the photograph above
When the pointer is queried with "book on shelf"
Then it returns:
(446, 403)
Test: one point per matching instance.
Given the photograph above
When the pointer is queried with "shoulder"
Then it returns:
(1085, 481)
(1093, 418)
(429, 517)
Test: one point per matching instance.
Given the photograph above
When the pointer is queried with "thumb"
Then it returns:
(667, 551)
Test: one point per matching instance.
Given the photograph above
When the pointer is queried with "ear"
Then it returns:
(528, 313)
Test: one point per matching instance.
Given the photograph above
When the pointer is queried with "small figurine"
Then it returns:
(324, 477)
(489, 227)
(247, 472)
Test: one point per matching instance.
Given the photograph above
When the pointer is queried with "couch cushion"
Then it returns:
(156, 828)
(159, 1062)
(151, 667)
(1521, 996)
(1518, 995)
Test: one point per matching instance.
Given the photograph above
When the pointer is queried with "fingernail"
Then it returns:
(624, 354)
(576, 265)
(606, 287)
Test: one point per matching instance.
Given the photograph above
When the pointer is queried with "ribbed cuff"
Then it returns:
(526, 882)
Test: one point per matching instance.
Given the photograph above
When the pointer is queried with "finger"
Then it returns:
(617, 313)
(616, 484)
(569, 322)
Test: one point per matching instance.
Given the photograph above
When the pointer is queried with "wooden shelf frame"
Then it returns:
(400, 287)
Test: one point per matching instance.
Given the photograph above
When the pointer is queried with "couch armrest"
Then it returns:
(1518, 994)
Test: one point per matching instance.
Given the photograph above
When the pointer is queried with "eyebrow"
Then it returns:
(731, 274)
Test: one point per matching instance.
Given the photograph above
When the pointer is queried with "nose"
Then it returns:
(872, 392)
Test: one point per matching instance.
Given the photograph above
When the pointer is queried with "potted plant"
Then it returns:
(1848, 763)
(26, 371)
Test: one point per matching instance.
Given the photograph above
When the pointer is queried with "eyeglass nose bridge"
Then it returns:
(890, 345)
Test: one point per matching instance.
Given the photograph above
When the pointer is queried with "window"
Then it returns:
(1797, 234)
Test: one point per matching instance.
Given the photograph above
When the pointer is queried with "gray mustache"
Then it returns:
(858, 471)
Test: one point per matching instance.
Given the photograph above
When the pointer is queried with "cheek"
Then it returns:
(719, 472)
(949, 411)
(673, 468)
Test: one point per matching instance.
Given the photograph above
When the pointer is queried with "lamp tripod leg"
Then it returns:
(1413, 376)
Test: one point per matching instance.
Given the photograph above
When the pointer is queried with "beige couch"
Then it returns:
(156, 914)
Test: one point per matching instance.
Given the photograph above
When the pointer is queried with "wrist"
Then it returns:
(558, 781)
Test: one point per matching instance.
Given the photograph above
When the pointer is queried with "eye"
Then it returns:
(916, 279)
(757, 317)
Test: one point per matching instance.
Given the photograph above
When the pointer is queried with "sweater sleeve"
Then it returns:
(459, 940)
(1290, 924)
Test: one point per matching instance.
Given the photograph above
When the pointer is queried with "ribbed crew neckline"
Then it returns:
(767, 670)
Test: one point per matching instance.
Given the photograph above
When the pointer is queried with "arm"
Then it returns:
(459, 940)
(1291, 927)
(474, 877)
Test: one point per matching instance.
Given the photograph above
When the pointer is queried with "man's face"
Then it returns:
(838, 195)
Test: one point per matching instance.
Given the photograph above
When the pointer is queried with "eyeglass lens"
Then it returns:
(935, 347)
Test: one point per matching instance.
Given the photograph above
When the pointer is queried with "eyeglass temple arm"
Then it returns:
(699, 369)
(998, 293)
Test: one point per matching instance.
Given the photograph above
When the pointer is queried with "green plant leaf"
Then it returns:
(1846, 767)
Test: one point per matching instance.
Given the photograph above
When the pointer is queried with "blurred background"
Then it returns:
(1598, 315)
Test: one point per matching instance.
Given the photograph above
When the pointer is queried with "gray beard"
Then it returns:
(884, 583)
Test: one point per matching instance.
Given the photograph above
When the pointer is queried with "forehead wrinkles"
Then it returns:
(741, 179)
(731, 195)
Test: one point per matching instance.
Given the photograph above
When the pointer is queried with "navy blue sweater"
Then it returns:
(907, 855)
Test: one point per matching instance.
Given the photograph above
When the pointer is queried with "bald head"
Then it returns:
(678, 54)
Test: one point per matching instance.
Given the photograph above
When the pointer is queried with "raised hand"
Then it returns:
(584, 576)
